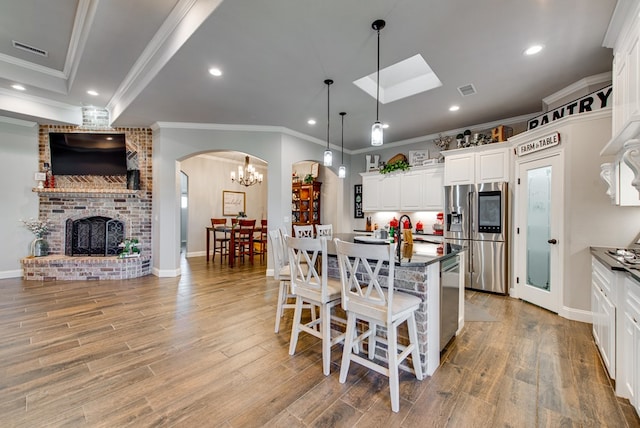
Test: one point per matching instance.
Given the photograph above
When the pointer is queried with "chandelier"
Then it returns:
(247, 175)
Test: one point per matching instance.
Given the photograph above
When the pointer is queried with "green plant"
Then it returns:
(400, 165)
(129, 247)
(308, 179)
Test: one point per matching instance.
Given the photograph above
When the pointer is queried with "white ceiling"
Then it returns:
(148, 59)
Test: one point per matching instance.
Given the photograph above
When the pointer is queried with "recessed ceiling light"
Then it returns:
(92, 92)
(385, 125)
(311, 121)
(532, 50)
(18, 87)
(454, 108)
(215, 72)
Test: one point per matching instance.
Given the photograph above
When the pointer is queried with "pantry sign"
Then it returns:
(539, 144)
(595, 101)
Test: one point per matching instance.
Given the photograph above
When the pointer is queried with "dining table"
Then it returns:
(229, 230)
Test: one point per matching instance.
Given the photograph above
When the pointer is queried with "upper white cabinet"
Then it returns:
(433, 190)
(419, 189)
(459, 169)
(626, 74)
(478, 165)
(370, 192)
(492, 166)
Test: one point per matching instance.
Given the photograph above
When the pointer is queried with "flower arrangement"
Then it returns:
(37, 227)
(443, 142)
(129, 248)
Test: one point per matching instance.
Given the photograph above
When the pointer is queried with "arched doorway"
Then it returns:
(209, 176)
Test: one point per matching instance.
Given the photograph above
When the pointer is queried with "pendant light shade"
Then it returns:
(342, 171)
(328, 156)
(376, 129)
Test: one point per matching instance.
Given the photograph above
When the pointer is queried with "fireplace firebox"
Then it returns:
(93, 236)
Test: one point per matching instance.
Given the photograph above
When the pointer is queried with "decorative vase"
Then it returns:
(39, 247)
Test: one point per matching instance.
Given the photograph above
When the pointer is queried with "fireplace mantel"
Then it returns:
(86, 192)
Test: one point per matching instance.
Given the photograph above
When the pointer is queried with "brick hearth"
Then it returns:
(61, 268)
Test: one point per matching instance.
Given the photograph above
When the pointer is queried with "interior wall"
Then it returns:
(208, 178)
(18, 164)
(174, 143)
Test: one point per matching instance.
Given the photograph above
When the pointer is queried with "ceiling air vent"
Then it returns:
(467, 90)
(28, 48)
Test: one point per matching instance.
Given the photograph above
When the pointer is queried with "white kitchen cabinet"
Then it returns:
(493, 166)
(370, 192)
(478, 165)
(433, 189)
(630, 374)
(411, 188)
(390, 192)
(380, 192)
(459, 169)
(422, 189)
(604, 314)
(419, 189)
(626, 73)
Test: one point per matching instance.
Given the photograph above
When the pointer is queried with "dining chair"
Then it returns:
(220, 238)
(282, 273)
(311, 287)
(261, 240)
(324, 230)
(303, 231)
(365, 299)
(244, 238)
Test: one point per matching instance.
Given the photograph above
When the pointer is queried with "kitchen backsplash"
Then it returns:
(428, 219)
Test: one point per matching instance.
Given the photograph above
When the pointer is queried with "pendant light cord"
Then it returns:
(378, 80)
(342, 145)
(328, 116)
(328, 82)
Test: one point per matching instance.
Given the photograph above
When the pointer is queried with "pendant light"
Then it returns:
(376, 129)
(328, 156)
(342, 171)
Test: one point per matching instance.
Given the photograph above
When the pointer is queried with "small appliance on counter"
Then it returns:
(438, 226)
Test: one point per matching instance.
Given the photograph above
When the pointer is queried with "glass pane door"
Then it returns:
(539, 227)
(538, 223)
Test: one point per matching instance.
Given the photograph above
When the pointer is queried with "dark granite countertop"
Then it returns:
(603, 254)
(413, 255)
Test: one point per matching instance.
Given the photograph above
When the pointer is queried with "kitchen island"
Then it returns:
(418, 272)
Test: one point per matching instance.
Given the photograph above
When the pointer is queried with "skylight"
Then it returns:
(401, 80)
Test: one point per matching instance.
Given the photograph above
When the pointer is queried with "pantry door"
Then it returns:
(538, 229)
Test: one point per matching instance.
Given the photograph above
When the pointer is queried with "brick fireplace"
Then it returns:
(95, 204)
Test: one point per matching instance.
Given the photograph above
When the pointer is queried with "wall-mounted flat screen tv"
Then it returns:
(87, 154)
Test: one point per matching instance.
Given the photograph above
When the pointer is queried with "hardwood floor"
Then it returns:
(199, 350)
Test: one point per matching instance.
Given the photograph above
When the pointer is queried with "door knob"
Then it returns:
(552, 241)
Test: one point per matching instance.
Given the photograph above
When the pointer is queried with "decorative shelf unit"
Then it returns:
(305, 203)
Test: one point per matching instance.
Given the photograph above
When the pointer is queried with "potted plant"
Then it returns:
(129, 248)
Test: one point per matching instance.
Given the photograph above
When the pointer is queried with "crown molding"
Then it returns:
(185, 18)
(584, 83)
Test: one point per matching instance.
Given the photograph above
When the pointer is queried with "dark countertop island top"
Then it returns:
(413, 255)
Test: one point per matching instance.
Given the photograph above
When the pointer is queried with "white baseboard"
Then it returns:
(196, 254)
(11, 274)
(576, 314)
(166, 273)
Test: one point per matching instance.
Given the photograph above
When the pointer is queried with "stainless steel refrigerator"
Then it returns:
(476, 217)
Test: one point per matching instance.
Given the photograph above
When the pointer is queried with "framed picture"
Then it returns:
(357, 203)
(416, 157)
(233, 203)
